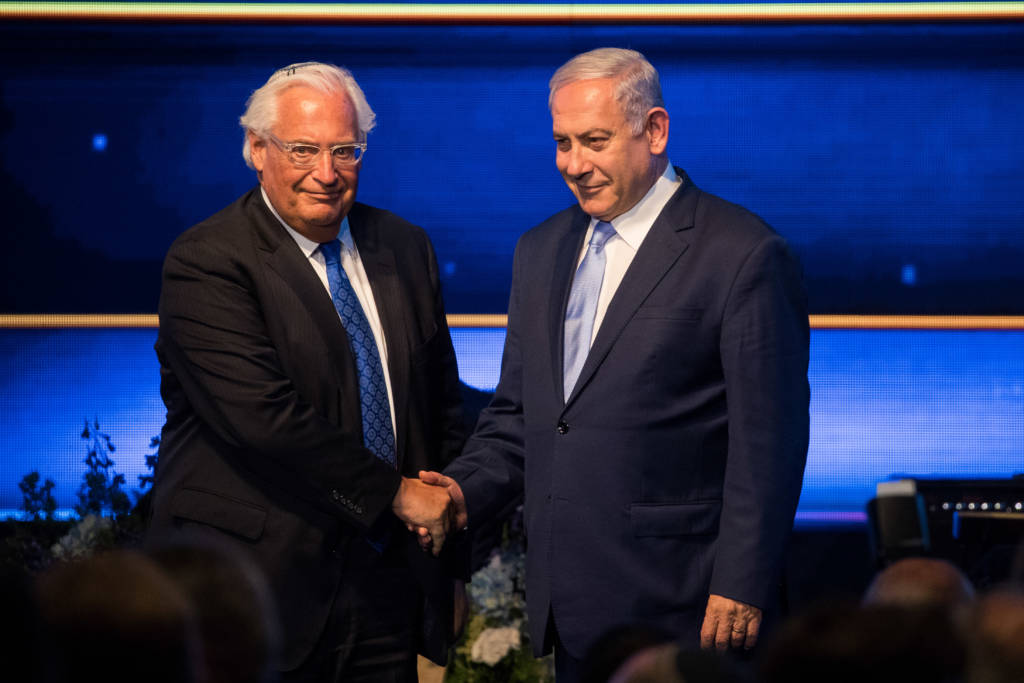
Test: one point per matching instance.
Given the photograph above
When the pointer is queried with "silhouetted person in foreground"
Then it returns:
(637, 653)
(920, 582)
(671, 664)
(236, 615)
(852, 644)
(617, 645)
(117, 617)
(651, 665)
(21, 642)
(996, 638)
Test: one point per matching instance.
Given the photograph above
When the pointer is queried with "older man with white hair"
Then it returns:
(309, 374)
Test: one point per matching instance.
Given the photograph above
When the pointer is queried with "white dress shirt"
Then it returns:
(353, 266)
(630, 230)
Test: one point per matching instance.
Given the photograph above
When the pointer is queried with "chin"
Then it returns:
(325, 218)
(598, 212)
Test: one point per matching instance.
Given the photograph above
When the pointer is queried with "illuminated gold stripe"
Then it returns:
(513, 13)
(917, 322)
(494, 320)
(477, 320)
(71, 320)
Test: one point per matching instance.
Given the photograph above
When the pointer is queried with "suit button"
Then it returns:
(563, 428)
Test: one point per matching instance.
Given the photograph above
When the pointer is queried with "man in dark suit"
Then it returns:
(308, 374)
(653, 400)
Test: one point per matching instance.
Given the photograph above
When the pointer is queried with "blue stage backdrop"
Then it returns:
(889, 155)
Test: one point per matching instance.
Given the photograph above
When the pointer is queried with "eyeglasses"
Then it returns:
(304, 154)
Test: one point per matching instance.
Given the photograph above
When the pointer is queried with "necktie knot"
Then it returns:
(331, 252)
(603, 232)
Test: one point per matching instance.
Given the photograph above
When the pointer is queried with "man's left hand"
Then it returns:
(729, 623)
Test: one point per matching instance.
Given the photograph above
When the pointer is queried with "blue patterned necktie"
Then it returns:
(579, 314)
(378, 435)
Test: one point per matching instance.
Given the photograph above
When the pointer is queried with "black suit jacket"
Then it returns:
(263, 441)
(674, 468)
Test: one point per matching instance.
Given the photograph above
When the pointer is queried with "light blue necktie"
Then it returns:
(579, 315)
(378, 435)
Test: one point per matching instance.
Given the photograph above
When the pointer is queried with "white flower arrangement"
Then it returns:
(83, 537)
(495, 646)
(491, 646)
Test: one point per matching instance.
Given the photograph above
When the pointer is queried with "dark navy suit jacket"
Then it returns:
(263, 445)
(674, 468)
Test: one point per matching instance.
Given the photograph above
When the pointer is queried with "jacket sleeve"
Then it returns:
(491, 468)
(764, 351)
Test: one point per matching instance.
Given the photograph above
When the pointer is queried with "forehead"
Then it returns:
(306, 112)
(584, 105)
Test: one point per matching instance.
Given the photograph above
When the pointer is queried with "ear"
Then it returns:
(257, 150)
(657, 130)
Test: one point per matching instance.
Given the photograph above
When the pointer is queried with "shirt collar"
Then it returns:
(307, 245)
(633, 225)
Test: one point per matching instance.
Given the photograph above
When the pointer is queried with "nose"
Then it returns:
(324, 171)
(576, 161)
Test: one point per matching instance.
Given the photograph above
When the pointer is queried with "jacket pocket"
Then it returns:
(227, 514)
(425, 351)
(675, 519)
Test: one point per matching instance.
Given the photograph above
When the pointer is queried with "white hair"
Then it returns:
(638, 89)
(261, 107)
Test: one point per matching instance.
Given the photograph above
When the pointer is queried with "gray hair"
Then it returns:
(638, 89)
(261, 107)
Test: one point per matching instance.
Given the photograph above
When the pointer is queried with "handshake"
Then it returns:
(431, 507)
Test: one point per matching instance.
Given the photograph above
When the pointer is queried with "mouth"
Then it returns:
(589, 189)
(324, 196)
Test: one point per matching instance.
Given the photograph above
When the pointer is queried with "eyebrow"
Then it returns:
(587, 133)
(304, 141)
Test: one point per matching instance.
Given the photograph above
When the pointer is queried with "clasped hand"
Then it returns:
(431, 507)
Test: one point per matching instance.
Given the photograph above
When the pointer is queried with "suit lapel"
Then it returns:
(284, 257)
(568, 251)
(659, 251)
(379, 263)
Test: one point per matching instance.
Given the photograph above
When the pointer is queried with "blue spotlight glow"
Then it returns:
(99, 142)
(909, 275)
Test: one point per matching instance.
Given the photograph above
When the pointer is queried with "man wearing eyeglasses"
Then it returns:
(309, 374)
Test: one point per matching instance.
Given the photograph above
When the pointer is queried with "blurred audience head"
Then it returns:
(920, 582)
(117, 617)
(995, 634)
(236, 615)
(643, 653)
(670, 664)
(655, 664)
(618, 644)
(847, 643)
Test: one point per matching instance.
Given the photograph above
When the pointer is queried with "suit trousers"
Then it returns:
(371, 632)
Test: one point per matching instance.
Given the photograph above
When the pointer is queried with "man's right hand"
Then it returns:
(428, 507)
(460, 518)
